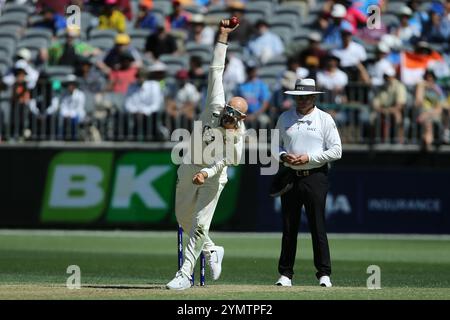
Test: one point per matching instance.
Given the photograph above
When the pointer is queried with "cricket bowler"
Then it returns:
(200, 183)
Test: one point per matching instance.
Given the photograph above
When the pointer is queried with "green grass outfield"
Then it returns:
(137, 265)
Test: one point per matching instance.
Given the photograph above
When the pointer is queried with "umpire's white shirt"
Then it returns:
(314, 134)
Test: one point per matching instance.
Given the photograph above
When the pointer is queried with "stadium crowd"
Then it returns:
(137, 69)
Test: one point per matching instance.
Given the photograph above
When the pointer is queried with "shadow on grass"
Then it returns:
(124, 287)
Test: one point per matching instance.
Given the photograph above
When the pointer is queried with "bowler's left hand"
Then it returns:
(199, 178)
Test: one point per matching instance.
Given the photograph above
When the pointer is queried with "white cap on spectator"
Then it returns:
(24, 53)
(20, 65)
(71, 78)
(289, 79)
(405, 11)
(338, 11)
(315, 36)
(197, 18)
(157, 67)
(383, 47)
(389, 71)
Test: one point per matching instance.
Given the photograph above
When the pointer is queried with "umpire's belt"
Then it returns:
(305, 173)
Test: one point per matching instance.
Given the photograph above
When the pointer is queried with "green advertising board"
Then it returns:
(120, 188)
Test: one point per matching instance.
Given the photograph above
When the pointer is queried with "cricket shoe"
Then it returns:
(180, 282)
(325, 281)
(215, 257)
(284, 282)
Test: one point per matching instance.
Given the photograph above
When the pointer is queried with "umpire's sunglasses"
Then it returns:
(229, 110)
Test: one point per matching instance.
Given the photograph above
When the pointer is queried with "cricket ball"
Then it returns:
(234, 21)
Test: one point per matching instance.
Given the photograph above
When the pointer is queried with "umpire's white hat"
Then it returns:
(304, 87)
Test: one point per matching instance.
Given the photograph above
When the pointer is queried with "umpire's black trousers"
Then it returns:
(309, 191)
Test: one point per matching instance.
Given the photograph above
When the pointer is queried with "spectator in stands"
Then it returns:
(356, 18)
(245, 31)
(44, 106)
(280, 100)
(414, 64)
(233, 75)
(437, 30)
(23, 58)
(125, 7)
(69, 51)
(266, 44)
(120, 79)
(197, 75)
(199, 32)
(71, 107)
(332, 31)
(312, 57)
(57, 6)
(377, 69)
(112, 60)
(186, 99)
(112, 18)
(294, 65)
(146, 18)
(430, 99)
(51, 20)
(257, 94)
(89, 77)
(179, 18)
(144, 96)
(144, 100)
(20, 103)
(333, 80)
(406, 32)
(388, 105)
(351, 55)
(418, 18)
(160, 42)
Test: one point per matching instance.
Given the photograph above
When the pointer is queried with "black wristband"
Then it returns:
(225, 43)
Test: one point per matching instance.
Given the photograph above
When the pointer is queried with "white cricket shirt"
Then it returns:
(314, 134)
(233, 143)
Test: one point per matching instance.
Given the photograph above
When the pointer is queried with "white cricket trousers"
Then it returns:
(194, 210)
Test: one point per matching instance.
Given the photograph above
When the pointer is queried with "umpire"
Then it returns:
(309, 140)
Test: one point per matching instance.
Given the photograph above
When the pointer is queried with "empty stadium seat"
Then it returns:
(163, 7)
(193, 48)
(5, 61)
(193, 9)
(11, 22)
(216, 13)
(15, 15)
(279, 61)
(394, 6)
(169, 59)
(103, 44)
(87, 21)
(281, 21)
(58, 71)
(38, 33)
(263, 7)
(172, 69)
(139, 38)
(389, 19)
(301, 34)
(253, 17)
(15, 7)
(235, 48)
(102, 34)
(8, 45)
